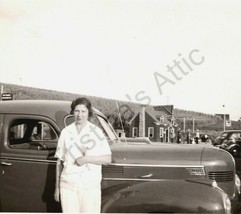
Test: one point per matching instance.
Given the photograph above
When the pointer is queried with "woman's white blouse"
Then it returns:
(69, 149)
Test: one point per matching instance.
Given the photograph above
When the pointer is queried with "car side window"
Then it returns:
(42, 131)
(31, 134)
(238, 136)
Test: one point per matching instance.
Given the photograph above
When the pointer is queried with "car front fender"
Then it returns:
(166, 196)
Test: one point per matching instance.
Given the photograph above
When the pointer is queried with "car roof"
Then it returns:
(54, 109)
(34, 106)
(230, 131)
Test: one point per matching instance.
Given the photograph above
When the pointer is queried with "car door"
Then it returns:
(27, 178)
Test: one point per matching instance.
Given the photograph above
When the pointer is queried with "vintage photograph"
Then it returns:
(120, 106)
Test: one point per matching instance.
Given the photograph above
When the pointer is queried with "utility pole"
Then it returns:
(224, 118)
(193, 125)
(224, 122)
(184, 124)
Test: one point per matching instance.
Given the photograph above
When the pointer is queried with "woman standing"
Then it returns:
(82, 149)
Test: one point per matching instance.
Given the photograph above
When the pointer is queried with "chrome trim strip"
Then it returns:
(113, 164)
(146, 176)
(27, 159)
(134, 179)
(157, 165)
(5, 163)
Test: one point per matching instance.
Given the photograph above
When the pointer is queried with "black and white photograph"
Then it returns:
(120, 106)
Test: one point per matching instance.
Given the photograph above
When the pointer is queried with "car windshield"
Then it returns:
(105, 125)
(223, 135)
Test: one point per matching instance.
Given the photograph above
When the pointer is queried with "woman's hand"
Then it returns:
(57, 194)
(80, 161)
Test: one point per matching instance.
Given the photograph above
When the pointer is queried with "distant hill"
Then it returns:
(107, 106)
(205, 122)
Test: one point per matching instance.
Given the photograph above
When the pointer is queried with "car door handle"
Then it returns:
(146, 176)
(5, 164)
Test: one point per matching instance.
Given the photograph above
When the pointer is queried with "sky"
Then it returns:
(179, 52)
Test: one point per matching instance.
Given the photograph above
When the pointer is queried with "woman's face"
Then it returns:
(81, 114)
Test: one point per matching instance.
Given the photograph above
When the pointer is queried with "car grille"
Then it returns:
(112, 169)
(223, 176)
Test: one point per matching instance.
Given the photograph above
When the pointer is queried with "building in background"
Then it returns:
(227, 116)
(155, 122)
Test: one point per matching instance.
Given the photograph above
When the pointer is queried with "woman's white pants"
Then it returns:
(81, 200)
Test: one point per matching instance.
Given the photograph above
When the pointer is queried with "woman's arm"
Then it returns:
(59, 168)
(99, 160)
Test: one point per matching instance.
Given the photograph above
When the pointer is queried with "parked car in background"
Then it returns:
(143, 177)
(235, 150)
(227, 138)
(204, 137)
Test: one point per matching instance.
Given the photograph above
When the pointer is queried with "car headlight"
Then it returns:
(227, 203)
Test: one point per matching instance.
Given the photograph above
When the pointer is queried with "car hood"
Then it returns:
(168, 154)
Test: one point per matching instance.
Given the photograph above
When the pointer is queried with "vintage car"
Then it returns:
(234, 148)
(143, 177)
(227, 137)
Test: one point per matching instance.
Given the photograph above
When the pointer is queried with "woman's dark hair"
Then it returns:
(81, 101)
